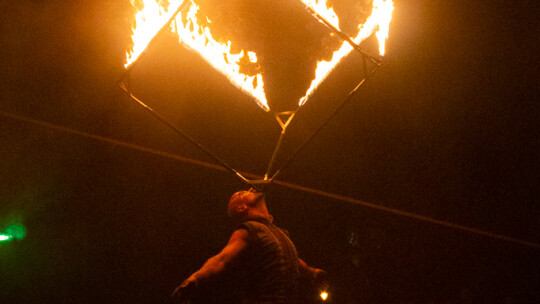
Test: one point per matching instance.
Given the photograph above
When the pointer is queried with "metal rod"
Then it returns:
(186, 136)
(116, 142)
(364, 66)
(161, 30)
(341, 34)
(280, 140)
(336, 110)
(274, 155)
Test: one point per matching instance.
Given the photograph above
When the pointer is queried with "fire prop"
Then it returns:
(155, 17)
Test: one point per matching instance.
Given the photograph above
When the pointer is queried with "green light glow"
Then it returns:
(13, 231)
(17, 231)
(5, 237)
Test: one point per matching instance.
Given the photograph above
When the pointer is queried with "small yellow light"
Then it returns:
(324, 295)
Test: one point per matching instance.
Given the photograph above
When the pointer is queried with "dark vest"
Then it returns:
(270, 263)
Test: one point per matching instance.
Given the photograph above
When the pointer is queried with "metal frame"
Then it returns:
(336, 110)
(127, 72)
(284, 123)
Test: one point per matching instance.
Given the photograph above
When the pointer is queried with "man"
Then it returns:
(264, 253)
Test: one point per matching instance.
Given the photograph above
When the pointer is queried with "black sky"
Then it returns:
(446, 128)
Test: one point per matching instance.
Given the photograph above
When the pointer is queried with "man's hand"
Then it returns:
(213, 266)
(185, 290)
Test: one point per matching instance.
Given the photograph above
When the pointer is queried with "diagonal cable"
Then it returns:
(334, 196)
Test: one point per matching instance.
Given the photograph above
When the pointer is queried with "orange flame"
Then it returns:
(219, 55)
(378, 22)
(148, 21)
(153, 16)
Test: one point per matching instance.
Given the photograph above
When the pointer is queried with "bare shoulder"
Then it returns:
(239, 235)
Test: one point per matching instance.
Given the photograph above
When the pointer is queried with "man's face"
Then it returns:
(251, 196)
(245, 199)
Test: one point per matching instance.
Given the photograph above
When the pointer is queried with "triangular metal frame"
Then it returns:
(284, 118)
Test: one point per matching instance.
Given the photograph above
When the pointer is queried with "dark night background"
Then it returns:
(446, 128)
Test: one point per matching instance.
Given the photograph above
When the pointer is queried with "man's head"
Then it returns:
(245, 203)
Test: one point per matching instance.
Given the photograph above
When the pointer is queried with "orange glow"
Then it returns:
(152, 16)
(219, 55)
(324, 295)
(148, 21)
(378, 22)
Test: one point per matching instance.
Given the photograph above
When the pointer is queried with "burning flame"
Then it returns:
(153, 16)
(378, 22)
(148, 21)
(200, 39)
(323, 9)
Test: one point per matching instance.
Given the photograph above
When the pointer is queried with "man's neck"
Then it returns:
(259, 215)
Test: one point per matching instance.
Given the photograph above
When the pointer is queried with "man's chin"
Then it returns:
(260, 196)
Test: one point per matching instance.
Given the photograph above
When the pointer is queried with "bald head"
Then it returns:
(245, 203)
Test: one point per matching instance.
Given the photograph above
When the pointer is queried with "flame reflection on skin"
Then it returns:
(152, 16)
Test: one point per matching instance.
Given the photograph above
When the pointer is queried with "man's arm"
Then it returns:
(305, 270)
(216, 264)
